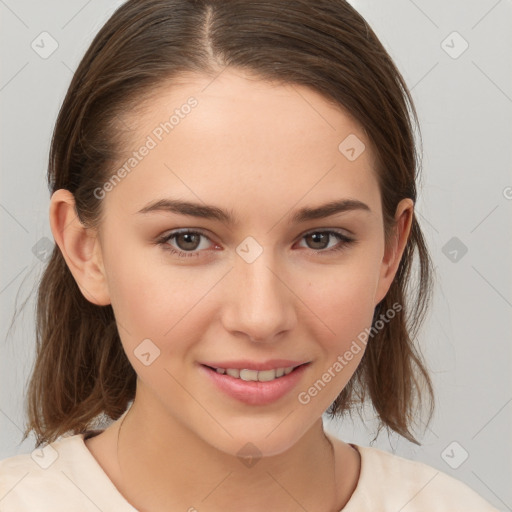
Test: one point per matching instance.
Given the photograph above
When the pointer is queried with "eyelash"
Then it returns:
(344, 242)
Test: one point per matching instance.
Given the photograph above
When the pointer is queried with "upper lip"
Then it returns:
(244, 364)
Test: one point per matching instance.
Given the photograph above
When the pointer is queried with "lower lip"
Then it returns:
(255, 392)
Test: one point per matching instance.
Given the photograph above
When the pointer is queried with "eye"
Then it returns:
(189, 241)
(320, 238)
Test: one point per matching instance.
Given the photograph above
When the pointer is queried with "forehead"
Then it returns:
(239, 139)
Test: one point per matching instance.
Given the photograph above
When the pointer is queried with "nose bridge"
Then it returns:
(261, 306)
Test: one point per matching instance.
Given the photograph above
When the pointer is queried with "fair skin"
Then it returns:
(261, 151)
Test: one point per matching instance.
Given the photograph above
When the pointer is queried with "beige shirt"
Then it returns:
(65, 477)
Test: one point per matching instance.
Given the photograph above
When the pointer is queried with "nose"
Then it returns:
(259, 303)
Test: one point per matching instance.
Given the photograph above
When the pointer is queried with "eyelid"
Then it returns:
(173, 233)
(201, 231)
(341, 231)
(343, 240)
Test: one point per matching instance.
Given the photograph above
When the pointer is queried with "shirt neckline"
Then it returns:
(105, 485)
(118, 497)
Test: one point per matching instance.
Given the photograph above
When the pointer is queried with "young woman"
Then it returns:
(233, 189)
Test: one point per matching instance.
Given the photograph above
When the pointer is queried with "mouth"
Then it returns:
(249, 375)
(254, 387)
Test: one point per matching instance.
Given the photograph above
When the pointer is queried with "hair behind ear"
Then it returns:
(89, 376)
(392, 373)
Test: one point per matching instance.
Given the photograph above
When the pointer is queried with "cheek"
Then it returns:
(344, 310)
(343, 301)
(136, 298)
(139, 293)
(154, 318)
(156, 302)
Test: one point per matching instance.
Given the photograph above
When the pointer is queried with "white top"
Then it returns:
(64, 476)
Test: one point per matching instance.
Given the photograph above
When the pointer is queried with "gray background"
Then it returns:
(464, 100)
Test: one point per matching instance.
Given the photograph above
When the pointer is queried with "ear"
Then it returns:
(80, 248)
(393, 254)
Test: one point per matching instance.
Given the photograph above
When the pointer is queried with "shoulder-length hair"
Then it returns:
(80, 369)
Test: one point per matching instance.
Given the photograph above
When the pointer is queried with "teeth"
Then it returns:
(254, 375)
(249, 374)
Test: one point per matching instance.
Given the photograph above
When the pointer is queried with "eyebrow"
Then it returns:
(214, 213)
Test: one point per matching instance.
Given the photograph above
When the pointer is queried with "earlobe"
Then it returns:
(393, 253)
(79, 247)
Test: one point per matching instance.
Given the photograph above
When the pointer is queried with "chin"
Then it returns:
(255, 442)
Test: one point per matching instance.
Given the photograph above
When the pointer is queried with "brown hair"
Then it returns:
(81, 370)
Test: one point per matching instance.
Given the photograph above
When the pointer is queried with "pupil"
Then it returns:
(317, 237)
(188, 237)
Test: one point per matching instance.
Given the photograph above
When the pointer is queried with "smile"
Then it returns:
(254, 375)
(255, 387)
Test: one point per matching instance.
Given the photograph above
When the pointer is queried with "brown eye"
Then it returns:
(319, 241)
(186, 242)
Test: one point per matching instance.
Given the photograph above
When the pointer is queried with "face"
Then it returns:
(246, 279)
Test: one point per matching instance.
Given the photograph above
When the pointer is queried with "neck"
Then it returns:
(163, 464)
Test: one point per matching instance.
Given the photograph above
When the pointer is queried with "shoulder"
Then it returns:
(54, 477)
(390, 482)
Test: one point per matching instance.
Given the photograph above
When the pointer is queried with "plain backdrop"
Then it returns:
(456, 59)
